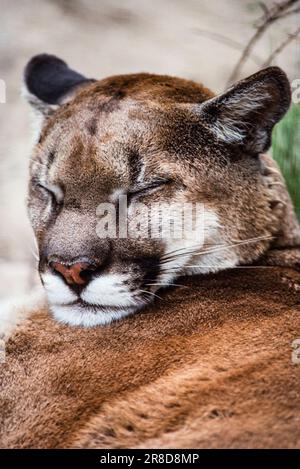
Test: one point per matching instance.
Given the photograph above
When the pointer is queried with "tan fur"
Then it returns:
(208, 366)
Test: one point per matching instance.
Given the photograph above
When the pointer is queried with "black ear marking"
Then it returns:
(49, 78)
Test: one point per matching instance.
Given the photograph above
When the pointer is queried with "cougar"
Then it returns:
(212, 362)
(150, 139)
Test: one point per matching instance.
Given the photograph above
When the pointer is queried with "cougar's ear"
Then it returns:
(49, 82)
(247, 112)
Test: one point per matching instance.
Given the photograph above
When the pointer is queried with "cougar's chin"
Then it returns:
(102, 301)
(90, 315)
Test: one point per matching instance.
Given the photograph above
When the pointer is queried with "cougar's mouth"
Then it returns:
(95, 306)
(84, 314)
(84, 303)
(105, 299)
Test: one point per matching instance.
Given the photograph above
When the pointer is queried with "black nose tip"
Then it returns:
(78, 273)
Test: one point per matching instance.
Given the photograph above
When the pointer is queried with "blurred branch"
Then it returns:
(277, 11)
(224, 40)
(289, 13)
(281, 46)
(264, 8)
(270, 16)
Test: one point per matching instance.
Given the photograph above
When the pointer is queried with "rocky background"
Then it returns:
(197, 39)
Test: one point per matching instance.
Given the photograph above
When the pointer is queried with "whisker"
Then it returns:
(221, 247)
(238, 243)
(236, 267)
(150, 293)
(185, 249)
(166, 285)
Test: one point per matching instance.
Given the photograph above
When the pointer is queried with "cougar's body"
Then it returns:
(208, 365)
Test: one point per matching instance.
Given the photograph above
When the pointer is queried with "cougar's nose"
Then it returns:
(75, 274)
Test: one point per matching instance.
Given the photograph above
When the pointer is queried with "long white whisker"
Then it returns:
(186, 250)
(150, 293)
(238, 243)
(221, 247)
(166, 284)
(236, 267)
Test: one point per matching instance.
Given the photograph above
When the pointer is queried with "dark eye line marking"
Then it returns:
(46, 189)
(155, 184)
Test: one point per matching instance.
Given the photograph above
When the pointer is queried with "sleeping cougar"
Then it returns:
(157, 139)
(211, 364)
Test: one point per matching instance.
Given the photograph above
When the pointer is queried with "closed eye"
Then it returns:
(144, 189)
(53, 190)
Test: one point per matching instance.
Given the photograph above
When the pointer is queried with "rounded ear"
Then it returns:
(247, 112)
(49, 82)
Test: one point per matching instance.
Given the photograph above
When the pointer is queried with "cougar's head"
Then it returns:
(133, 178)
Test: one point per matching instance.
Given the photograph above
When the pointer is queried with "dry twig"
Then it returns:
(281, 46)
(271, 15)
(224, 40)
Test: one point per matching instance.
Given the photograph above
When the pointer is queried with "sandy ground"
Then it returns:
(99, 38)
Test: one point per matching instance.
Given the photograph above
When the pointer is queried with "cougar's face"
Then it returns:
(112, 159)
(90, 160)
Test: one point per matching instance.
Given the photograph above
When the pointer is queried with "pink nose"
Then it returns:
(74, 274)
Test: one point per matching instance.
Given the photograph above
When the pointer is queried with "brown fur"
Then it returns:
(209, 366)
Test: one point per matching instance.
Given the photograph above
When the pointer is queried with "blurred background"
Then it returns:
(198, 39)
